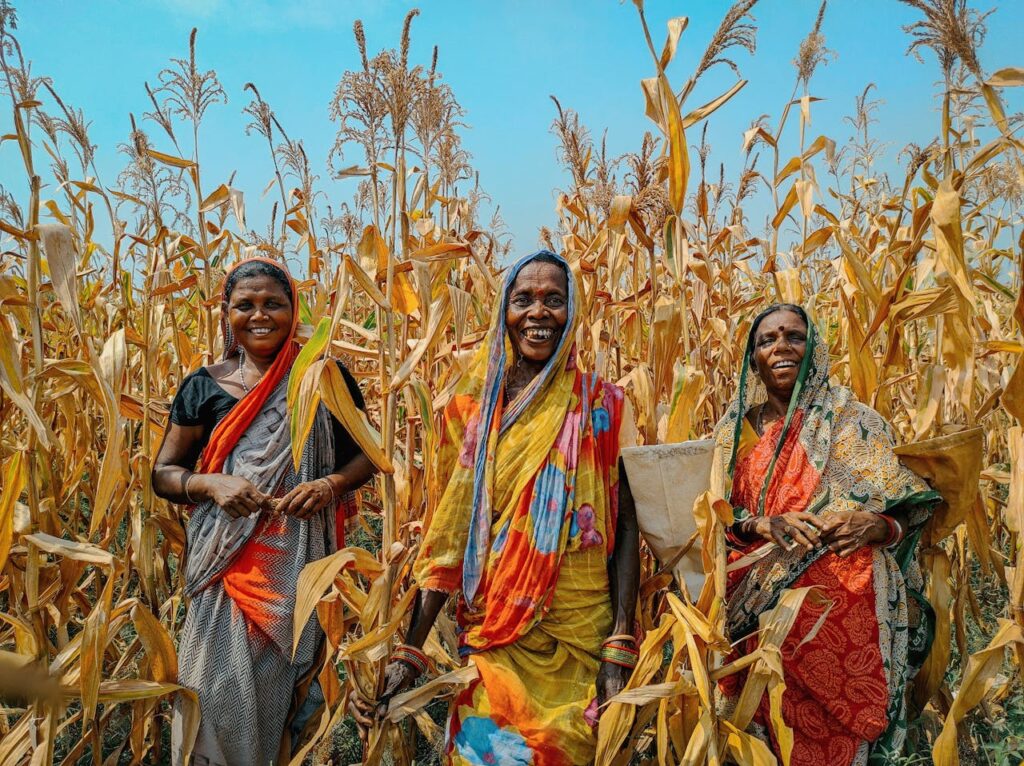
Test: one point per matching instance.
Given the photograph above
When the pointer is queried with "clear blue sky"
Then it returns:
(502, 59)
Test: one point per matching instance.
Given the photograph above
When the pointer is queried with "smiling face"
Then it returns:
(779, 347)
(538, 308)
(260, 315)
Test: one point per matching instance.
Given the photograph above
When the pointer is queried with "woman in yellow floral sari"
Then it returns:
(536, 534)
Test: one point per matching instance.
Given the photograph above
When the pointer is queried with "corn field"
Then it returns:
(109, 296)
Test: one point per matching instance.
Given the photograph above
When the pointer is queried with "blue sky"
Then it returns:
(503, 60)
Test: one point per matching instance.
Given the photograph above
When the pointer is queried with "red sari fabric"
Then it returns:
(836, 693)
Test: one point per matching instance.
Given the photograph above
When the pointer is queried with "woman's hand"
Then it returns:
(306, 499)
(849, 531)
(234, 494)
(398, 676)
(802, 529)
(611, 679)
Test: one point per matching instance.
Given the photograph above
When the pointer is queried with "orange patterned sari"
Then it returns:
(845, 686)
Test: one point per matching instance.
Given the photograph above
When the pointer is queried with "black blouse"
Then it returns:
(200, 401)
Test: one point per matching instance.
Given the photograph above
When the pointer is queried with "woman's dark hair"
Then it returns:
(257, 269)
(792, 307)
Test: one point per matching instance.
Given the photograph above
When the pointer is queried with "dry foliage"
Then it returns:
(108, 297)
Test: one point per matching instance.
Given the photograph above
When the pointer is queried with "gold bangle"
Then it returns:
(620, 637)
(188, 497)
(330, 487)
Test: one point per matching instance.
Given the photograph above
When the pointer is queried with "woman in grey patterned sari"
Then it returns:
(255, 522)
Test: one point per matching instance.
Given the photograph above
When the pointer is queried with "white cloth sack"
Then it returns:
(665, 480)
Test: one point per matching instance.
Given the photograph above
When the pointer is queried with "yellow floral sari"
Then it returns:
(523, 532)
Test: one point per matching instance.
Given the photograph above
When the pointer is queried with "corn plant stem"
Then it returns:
(775, 167)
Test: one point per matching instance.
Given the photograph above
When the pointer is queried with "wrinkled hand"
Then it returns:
(398, 676)
(803, 529)
(305, 500)
(236, 495)
(611, 679)
(847, 532)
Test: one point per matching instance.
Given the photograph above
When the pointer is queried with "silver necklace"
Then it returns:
(241, 369)
(760, 419)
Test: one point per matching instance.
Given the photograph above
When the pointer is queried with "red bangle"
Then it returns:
(894, 531)
(411, 656)
(621, 647)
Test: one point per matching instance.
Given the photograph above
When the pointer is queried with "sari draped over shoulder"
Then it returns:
(524, 531)
(845, 696)
(235, 649)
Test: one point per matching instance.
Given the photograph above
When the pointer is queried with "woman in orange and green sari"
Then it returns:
(536, 533)
(823, 501)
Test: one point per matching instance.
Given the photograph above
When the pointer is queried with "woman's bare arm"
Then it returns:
(624, 569)
(172, 476)
(174, 465)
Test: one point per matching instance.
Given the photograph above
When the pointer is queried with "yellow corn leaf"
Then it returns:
(676, 27)
(404, 295)
(94, 642)
(373, 642)
(787, 283)
(949, 240)
(113, 360)
(929, 396)
(316, 577)
(407, 703)
(63, 264)
(372, 252)
(336, 397)
(687, 384)
(816, 239)
(13, 385)
(215, 199)
(303, 393)
(170, 159)
(978, 678)
(14, 482)
(748, 749)
(159, 647)
(861, 274)
(707, 109)
(995, 107)
(366, 282)
(77, 551)
(679, 157)
(440, 315)
(652, 101)
(775, 626)
(863, 369)
(1007, 78)
(652, 692)
(787, 205)
(1013, 394)
(1015, 518)
(940, 596)
(805, 192)
(619, 212)
(441, 252)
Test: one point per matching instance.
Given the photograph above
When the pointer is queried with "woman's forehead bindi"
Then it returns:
(781, 320)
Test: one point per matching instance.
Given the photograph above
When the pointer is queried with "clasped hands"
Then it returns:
(238, 497)
(843, 532)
